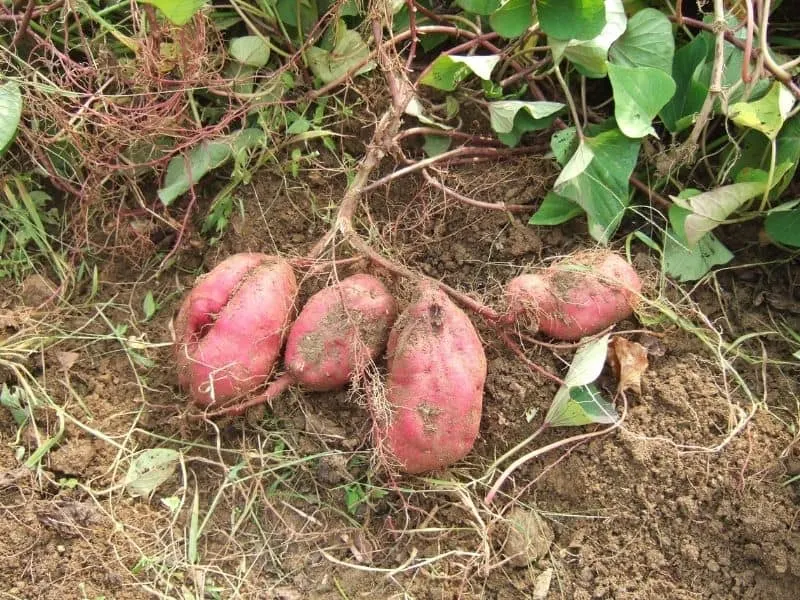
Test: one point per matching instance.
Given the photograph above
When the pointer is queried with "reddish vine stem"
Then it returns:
(273, 390)
(651, 193)
(6, 15)
(523, 74)
(358, 244)
(748, 43)
(23, 26)
(521, 355)
(412, 27)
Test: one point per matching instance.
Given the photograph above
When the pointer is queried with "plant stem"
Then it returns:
(778, 73)
(715, 89)
(774, 67)
(545, 449)
(446, 191)
(571, 102)
(274, 389)
(542, 428)
(772, 158)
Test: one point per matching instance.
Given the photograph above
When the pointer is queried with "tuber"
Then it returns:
(576, 297)
(437, 370)
(231, 326)
(340, 329)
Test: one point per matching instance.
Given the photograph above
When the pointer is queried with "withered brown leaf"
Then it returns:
(629, 361)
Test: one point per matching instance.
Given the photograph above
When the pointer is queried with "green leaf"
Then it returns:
(446, 72)
(766, 115)
(436, 144)
(571, 19)
(590, 56)
(173, 503)
(579, 402)
(585, 405)
(250, 50)
(683, 262)
(479, 7)
(149, 470)
(350, 8)
(349, 51)
(596, 178)
(694, 79)
(149, 306)
(502, 113)
(783, 226)
(513, 118)
(555, 210)
(639, 93)
(178, 12)
(10, 113)
(298, 126)
(587, 364)
(224, 19)
(288, 12)
(415, 109)
(241, 76)
(709, 209)
(755, 150)
(564, 143)
(647, 42)
(574, 407)
(13, 402)
(732, 69)
(690, 92)
(513, 18)
(692, 264)
(184, 171)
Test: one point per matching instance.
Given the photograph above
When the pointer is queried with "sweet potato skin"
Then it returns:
(339, 330)
(231, 326)
(576, 297)
(437, 371)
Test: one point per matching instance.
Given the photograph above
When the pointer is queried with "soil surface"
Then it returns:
(688, 499)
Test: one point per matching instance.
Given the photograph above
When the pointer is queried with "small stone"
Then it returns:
(712, 566)
(36, 290)
(528, 537)
(541, 585)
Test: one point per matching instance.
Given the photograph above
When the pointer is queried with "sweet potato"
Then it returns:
(575, 297)
(340, 329)
(231, 327)
(437, 370)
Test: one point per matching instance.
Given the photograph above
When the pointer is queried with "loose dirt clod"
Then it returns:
(527, 537)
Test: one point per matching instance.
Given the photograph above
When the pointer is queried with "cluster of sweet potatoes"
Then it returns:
(233, 325)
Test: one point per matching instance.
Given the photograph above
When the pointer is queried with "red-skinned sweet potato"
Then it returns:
(437, 370)
(340, 329)
(231, 327)
(575, 297)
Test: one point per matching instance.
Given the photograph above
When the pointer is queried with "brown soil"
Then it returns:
(648, 512)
